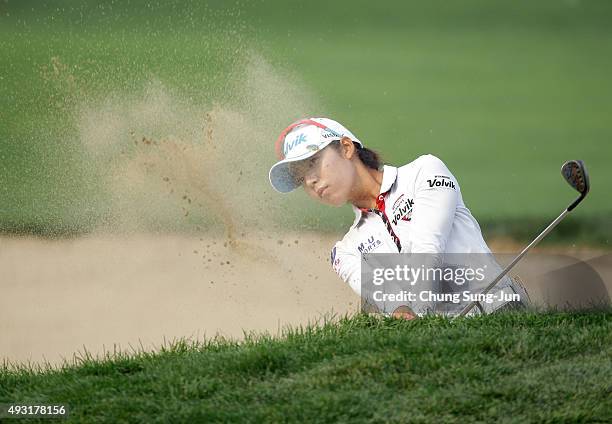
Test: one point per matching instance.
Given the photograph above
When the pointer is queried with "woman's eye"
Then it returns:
(298, 179)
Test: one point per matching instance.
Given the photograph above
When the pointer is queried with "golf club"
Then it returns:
(576, 175)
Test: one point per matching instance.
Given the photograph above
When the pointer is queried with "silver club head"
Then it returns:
(576, 175)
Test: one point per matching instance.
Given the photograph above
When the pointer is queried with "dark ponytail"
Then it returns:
(369, 157)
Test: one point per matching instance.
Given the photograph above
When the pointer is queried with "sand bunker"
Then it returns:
(59, 296)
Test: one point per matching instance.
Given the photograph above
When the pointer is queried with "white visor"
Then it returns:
(301, 143)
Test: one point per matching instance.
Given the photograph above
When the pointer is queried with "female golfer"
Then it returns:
(415, 208)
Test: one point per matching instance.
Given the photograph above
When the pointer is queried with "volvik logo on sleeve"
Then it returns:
(441, 181)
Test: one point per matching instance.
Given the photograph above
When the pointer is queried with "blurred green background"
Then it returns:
(503, 91)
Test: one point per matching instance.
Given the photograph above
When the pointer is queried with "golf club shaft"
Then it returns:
(543, 234)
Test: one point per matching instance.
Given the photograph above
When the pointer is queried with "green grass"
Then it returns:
(502, 91)
(511, 367)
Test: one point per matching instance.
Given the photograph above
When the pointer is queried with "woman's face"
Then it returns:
(327, 176)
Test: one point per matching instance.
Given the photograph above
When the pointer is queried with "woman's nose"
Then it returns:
(310, 179)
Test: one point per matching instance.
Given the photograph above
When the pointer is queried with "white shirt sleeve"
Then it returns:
(348, 266)
(435, 203)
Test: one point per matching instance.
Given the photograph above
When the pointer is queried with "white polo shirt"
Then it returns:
(424, 209)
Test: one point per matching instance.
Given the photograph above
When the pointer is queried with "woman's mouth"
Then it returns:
(321, 190)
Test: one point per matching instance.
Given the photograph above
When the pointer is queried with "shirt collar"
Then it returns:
(389, 178)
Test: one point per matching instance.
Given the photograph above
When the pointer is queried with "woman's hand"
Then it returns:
(403, 312)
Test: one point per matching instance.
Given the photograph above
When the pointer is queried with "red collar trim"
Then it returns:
(380, 203)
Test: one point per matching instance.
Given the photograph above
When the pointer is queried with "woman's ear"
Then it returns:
(347, 148)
